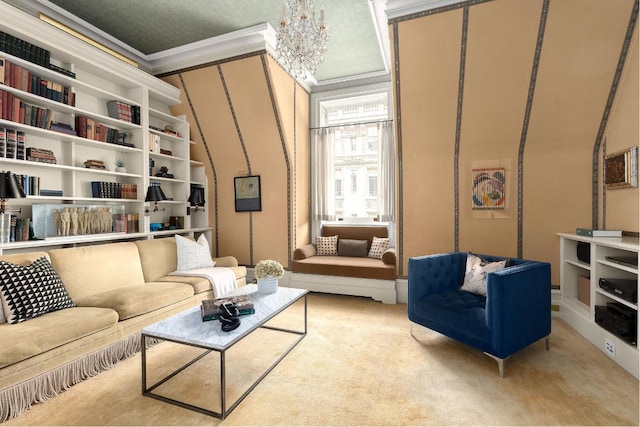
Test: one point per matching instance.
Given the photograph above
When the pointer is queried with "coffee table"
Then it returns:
(187, 328)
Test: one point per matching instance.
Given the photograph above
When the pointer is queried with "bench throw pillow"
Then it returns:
(327, 245)
(475, 278)
(378, 246)
(192, 255)
(349, 247)
(31, 291)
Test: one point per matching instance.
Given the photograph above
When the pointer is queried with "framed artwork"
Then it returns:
(248, 193)
(621, 169)
(488, 191)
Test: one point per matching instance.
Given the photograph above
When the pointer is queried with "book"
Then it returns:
(598, 233)
(210, 308)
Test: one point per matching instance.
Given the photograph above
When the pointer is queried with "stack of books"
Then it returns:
(94, 164)
(41, 155)
(210, 309)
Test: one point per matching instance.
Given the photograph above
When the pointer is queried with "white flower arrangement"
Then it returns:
(269, 267)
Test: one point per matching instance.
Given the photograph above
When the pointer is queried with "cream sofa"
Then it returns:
(118, 288)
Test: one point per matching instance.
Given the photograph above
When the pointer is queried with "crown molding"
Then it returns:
(399, 8)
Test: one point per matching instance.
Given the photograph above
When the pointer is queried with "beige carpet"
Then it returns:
(359, 365)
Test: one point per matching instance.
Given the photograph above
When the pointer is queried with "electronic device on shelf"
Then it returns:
(629, 261)
(626, 289)
(618, 319)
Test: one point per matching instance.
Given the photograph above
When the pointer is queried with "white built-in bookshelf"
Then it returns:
(159, 137)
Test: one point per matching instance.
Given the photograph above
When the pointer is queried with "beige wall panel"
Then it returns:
(297, 140)
(582, 43)
(249, 94)
(622, 133)
(210, 104)
(429, 55)
(500, 50)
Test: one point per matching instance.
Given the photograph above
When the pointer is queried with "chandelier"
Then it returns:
(301, 41)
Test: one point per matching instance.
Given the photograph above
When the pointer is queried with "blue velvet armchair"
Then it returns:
(515, 313)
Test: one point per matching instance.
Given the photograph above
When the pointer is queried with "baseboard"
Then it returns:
(379, 290)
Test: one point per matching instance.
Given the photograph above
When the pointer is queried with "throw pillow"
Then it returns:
(327, 245)
(378, 246)
(192, 254)
(475, 278)
(31, 291)
(348, 247)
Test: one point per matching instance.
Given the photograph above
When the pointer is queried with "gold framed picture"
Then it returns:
(621, 169)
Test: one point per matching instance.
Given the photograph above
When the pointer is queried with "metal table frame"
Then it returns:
(224, 411)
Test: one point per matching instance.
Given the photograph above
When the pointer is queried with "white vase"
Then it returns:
(121, 169)
(268, 285)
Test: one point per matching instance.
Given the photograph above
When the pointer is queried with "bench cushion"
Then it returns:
(367, 268)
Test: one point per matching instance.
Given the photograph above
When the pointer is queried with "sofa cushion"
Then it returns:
(32, 290)
(327, 245)
(378, 246)
(88, 270)
(158, 256)
(192, 255)
(350, 247)
(134, 300)
(475, 278)
(51, 330)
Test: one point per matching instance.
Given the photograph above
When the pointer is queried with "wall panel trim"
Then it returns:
(456, 154)
(211, 162)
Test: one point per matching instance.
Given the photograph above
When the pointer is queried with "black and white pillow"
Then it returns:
(327, 245)
(378, 246)
(31, 291)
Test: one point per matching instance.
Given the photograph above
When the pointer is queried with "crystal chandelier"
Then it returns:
(301, 41)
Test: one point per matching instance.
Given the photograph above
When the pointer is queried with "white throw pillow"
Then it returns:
(327, 245)
(475, 278)
(378, 246)
(193, 254)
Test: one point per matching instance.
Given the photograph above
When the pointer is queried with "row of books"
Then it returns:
(17, 110)
(30, 184)
(24, 50)
(123, 111)
(127, 223)
(210, 309)
(154, 142)
(12, 143)
(92, 129)
(21, 229)
(114, 190)
(41, 155)
(20, 78)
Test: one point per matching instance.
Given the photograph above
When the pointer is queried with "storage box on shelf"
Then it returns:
(105, 111)
(596, 258)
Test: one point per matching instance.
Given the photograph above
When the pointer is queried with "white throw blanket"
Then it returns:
(222, 279)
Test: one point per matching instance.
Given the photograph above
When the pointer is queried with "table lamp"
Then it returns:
(196, 198)
(10, 188)
(155, 195)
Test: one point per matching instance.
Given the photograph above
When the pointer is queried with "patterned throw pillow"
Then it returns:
(192, 255)
(31, 291)
(327, 245)
(378, 246)
(475, 279)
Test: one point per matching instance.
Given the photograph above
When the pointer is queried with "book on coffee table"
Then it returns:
(210, 309)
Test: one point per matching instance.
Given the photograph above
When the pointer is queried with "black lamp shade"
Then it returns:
(10, 187)
(197, 197)
(154, 194)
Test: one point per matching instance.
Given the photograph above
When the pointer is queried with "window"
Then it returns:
(355, 131)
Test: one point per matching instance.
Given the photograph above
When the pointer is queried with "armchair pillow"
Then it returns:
(31, 291)
(475, 278)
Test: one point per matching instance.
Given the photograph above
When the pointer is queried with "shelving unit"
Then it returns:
(581, 316)
(100, 78)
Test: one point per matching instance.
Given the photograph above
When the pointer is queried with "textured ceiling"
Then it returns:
(151, 26)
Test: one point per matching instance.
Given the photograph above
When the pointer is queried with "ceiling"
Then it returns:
(147, 29)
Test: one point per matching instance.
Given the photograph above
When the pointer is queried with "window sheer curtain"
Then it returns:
(387, 172)
(322, 179)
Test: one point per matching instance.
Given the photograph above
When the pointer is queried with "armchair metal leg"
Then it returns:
(547, 342)
(500, 363)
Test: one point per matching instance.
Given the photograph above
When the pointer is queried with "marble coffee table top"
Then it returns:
(188, 328)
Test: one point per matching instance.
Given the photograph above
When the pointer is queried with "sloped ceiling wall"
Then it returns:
(248, 117)
(527, 86)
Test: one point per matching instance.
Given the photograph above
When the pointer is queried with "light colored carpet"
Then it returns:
(359, 365)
